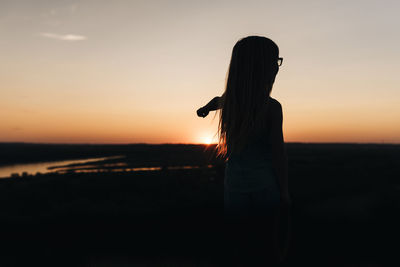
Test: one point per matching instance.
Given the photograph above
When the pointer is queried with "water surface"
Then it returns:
(42, 167)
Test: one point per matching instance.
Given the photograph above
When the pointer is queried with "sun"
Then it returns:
(207, 140)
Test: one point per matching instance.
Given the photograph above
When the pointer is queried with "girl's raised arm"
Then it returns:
(215, 103)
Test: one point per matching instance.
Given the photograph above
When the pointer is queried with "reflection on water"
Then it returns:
(88, 165)
(91, 165)
(86, 169)
(83, 170)
(43, 167)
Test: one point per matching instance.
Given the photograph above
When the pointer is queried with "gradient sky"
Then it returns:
(136, 71)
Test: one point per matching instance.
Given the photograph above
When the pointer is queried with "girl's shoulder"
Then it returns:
(274, 108)
(274, 104)
(271, 114)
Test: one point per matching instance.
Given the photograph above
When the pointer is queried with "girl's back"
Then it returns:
(251, 169)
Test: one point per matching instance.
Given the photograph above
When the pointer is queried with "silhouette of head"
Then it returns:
(252, 71)
(255, 60)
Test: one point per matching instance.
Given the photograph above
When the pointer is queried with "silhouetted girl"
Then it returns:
(251, 140)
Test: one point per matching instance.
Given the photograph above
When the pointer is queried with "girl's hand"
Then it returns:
(202, 112)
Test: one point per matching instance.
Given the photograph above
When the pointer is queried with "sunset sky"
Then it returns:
(101, 71)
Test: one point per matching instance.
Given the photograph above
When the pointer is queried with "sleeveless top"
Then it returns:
(251, 169)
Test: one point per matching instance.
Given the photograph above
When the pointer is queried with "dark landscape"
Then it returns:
(345, 210)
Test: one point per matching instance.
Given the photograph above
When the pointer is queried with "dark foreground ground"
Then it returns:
(345, 211)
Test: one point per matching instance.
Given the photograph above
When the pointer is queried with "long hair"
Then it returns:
(250, 77)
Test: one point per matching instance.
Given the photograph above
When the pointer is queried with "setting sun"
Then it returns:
(207, 140)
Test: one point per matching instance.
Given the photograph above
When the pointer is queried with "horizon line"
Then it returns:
(203, 144)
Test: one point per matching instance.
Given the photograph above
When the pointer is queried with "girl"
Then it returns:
(251, 139)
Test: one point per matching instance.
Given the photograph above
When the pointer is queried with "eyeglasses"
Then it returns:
(280, 60)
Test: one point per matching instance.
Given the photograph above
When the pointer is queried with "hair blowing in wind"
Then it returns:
(249, 82)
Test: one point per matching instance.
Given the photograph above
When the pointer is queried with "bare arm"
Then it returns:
(279, 156)
(214, 104)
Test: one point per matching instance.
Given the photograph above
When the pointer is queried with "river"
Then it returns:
(41, 167)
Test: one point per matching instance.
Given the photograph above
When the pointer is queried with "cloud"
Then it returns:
(64, 37)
